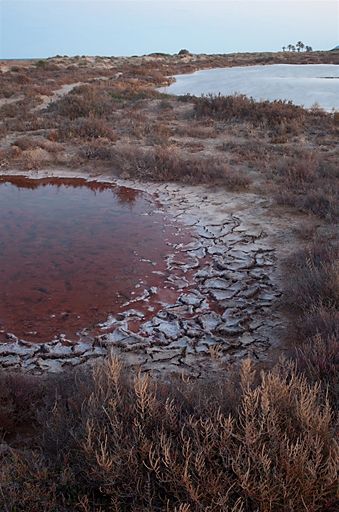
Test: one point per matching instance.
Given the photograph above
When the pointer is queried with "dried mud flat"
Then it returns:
(226, 285)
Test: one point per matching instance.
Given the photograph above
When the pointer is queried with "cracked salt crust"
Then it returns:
(228, 282)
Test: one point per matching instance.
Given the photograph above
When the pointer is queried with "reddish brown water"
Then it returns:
(71, 253)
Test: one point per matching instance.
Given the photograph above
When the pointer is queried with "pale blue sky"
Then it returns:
(42, 28)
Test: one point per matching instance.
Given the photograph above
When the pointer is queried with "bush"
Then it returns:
(309, 183)
(314, 276)
(162, 164)
(84, 101)
(278, 115)
(97, 151)
(184, 52)
(25, 143)
(313, 290)
(86, 128)
(116, 442)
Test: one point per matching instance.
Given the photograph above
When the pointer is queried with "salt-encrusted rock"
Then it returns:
(191, 299)
(197, 253)
(246, 339)
(209, 321)
(230, 330)
(216, 249)
(171, 329)
(181, 310)
(217, 283)
(220, 295)
(10, 360)
(165, 355)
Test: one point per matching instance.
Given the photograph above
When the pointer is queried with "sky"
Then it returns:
(43, 28)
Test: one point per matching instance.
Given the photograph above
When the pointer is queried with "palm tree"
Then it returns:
(300, 45)
(309, 48)
(293, 48)
(289, 47)
(283, 48)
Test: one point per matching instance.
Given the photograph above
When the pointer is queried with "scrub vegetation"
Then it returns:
(261, 439)
(112, 441)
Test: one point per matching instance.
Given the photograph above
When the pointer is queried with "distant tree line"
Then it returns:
(300, 46)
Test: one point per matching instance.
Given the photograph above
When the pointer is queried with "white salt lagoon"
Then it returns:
(307, 85)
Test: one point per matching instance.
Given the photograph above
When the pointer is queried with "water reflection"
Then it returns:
(124, 194)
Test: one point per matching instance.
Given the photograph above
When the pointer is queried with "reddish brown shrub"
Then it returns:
(25, 143)
(120, 442)
(313, 290)
(308, 182)
(98, 150)
(18, 396)
(162, 164)
(318, 358)
(86, 128)
(84, 101)
(314, 276)
(270, 114)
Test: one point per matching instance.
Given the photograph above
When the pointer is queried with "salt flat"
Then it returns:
(306, 85)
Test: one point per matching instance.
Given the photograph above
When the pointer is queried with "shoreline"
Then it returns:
(226, 226)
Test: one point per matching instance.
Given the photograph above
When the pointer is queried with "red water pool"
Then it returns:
(73, 252)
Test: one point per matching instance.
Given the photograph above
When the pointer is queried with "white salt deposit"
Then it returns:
(307, 85)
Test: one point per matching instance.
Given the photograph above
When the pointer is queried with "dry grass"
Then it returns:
(165, 164)
(114, 442)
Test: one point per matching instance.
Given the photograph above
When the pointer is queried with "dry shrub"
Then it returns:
(309, 182)
(158, 134)
(297, 173)
(29, 121)
(97, 150)
(86, 128)
(83, 101)
(134, 91)
(29, 159)
(318, 359)
(18, 396)
(196, 131)
(164, 164)
(28, 143)
(314, 276)
(25, 143)
(313, 290)
(11, 110)
(138, 125)
(116, 442)
(255, 152)
(278, 115)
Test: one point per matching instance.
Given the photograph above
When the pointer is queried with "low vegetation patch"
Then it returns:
(276, 114)
(84, 101)
(110, 441)
(313, 291)
(309, 182)
(163, 164)
(86, 128)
